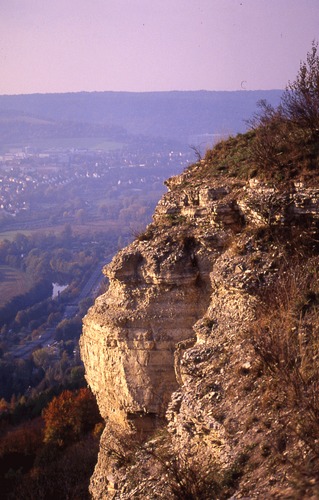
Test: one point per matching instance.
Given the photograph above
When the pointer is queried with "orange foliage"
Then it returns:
(69, 416)
(25, 439)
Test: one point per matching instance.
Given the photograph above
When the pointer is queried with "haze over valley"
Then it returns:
(159, 209)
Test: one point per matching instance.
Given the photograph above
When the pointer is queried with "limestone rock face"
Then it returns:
(129, 336)
(165, 342)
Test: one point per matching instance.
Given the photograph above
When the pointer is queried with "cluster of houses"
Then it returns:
(25, 173)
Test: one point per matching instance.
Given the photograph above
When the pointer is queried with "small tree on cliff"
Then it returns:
(300, 101)
(286, 139)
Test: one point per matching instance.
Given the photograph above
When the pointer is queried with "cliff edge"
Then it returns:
(203, 353)
(173, 349)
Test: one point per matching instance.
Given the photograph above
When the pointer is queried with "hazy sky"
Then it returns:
(145, 45)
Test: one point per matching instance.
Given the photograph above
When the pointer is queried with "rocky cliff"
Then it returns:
(172, 350)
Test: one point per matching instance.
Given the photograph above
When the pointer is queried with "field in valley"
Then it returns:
(13, 282)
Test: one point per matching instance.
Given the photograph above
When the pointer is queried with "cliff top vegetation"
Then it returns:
(282, 142)
(244, 420)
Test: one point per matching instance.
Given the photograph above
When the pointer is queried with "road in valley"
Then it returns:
(90, 289)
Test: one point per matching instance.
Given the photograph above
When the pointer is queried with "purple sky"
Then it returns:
(145, 45)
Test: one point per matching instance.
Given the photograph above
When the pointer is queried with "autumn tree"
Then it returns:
(69, 416)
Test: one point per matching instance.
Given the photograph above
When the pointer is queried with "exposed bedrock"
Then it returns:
(130, 334)
(184, 293)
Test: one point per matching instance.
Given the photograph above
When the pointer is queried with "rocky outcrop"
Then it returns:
(166, 345)
(130, 335)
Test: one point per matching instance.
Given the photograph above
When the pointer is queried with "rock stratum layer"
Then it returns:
(166, 347)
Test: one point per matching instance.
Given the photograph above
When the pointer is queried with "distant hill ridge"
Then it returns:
(176, 115)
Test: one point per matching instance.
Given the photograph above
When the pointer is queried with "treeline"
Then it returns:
(52, 455)
(57, 365)
(50, 255)
(48, 258)
(54, 363)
